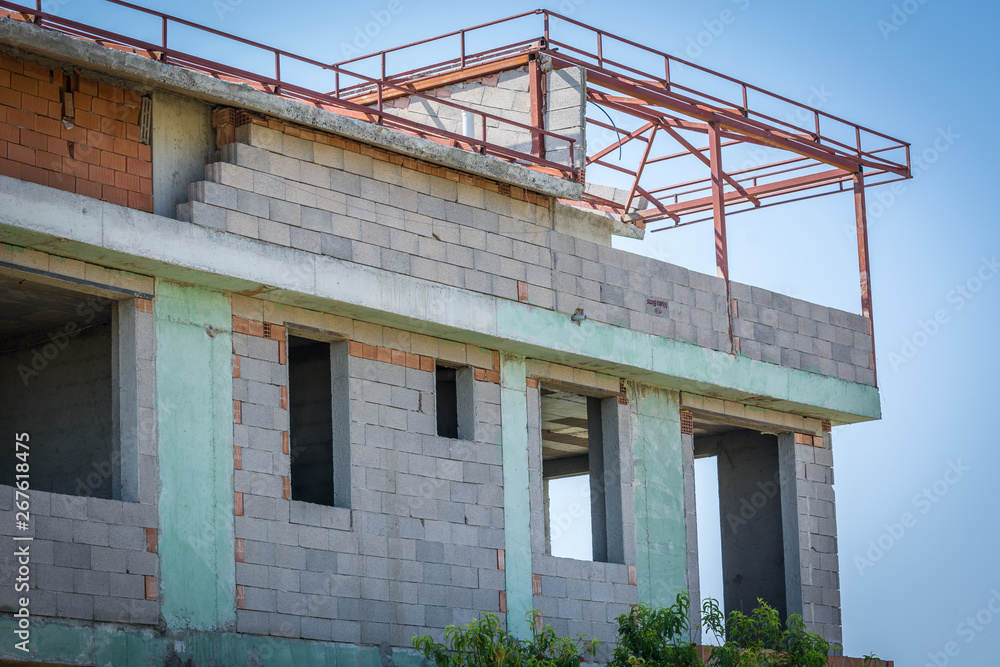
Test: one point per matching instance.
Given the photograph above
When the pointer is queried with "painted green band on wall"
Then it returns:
(195, 414)
(661, 535)
(62, 642)
(516, 497)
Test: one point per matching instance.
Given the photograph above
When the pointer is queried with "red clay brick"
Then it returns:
(75, 134)
(145, 152)
(49, 91)
(47, 160)
(10, 168)
(48, 126)
(85, 153)
(140, 168)
(88, 120)
(113, 161)
(34, 104)
(4, 78)
(10, 133)
(85, 85)
(58, 146)
(55, 110)
(130, 116)
(24, 84)
(88, 188)
(111, 93)
(82, 101)
(101, 175)
(20, 118)
(140, 201)
(125, 147)
(11, 64)
(33, 139)
(131, 98)
(10, 98)
(133, 133)
(3, 148)
(104, 142)
(112, 126)
(146, 186)
(107, 108)
(114, 195)
(58, 78)
(62, 182)
(126, 181)
(34, 174)
(21, 154)
(36, 71)
(75, 167)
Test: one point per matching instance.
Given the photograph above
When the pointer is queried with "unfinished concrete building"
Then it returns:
(297, 362)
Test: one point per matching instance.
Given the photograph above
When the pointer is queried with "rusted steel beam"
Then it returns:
(536, 96)
(719, 215)
(861, 217)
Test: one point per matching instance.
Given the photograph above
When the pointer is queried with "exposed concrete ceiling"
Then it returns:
(29, 308)
(564, 424)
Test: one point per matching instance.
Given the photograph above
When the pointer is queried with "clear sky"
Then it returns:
(917, 517)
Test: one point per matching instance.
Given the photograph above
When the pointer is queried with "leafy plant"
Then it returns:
(656, 636)
(485, 643)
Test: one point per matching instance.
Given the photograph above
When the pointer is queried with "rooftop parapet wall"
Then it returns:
(346, 204)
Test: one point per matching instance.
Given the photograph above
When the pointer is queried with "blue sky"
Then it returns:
(925, 71)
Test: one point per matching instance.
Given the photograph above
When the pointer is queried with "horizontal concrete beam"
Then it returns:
(74, 226)
(147, 73)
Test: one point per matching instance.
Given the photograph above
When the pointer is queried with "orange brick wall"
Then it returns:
(99, 155)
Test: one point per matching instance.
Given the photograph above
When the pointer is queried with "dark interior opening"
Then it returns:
(56, 385)
(310, 420)
(446, 392)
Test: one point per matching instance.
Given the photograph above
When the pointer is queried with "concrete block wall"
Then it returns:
(418, 550)
(810, 504)
(95, 559)
(73, 133)
(336, 198)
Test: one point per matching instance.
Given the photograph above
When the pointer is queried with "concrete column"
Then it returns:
(194, 406)
(125, 400)
(753, 563)
(691, 528)
(516, 496)
(810, 525)
(661, 534)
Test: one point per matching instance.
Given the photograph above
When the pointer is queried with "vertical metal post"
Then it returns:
(462, 55)
(861, 216)
(536, 96)
(719, 214)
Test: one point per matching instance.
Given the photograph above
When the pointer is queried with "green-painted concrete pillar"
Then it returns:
(194, 404)
(516, 498)
(661, 536)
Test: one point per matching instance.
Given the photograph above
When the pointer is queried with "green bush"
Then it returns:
(484, 643)
(647, 637)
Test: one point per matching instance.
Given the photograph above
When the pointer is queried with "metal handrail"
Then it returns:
(330, 102)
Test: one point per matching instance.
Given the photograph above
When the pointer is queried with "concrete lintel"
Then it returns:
(74, 226)
(153, 74)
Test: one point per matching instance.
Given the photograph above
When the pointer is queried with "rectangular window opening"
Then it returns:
(319, 426)
(580, 481)
(446, 393)
(60, 356)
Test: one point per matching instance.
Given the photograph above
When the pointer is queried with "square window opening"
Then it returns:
(66, 358)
